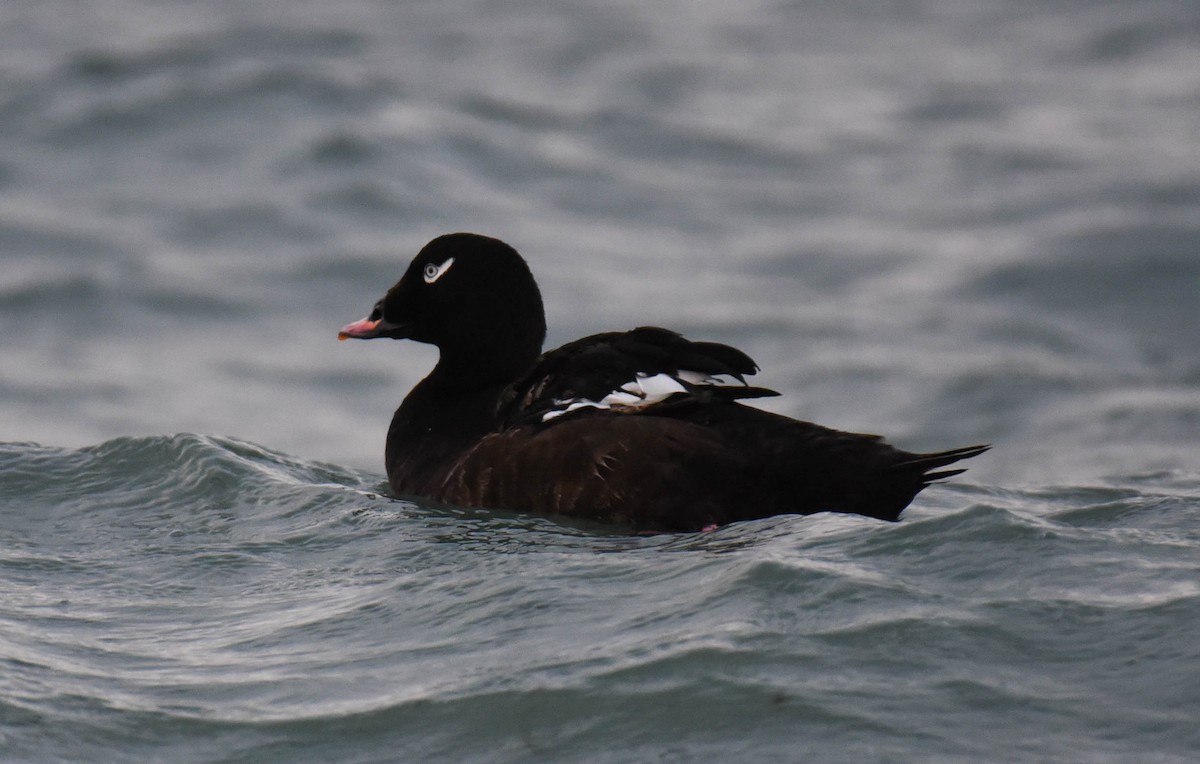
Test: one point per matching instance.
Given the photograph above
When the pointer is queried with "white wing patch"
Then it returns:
(644, 390)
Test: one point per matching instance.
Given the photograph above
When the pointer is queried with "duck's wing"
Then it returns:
(625, 372)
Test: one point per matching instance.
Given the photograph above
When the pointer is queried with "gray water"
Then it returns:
(947, 222)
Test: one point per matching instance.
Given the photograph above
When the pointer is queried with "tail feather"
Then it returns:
(931, 477)
(923, 463)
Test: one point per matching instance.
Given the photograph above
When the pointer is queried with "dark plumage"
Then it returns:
(642, 428)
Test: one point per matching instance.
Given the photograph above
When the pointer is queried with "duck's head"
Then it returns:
(472, 296)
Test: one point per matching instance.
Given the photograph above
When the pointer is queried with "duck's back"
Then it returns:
(645, 428)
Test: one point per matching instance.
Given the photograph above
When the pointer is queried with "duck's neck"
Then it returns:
(442, 417)
(431, 429)
(498, 355)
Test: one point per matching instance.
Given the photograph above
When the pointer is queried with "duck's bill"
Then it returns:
(370, 328)
(363, 329)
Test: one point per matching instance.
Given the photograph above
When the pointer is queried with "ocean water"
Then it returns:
(947, 222)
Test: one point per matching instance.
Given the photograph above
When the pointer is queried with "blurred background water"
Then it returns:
(948, 222)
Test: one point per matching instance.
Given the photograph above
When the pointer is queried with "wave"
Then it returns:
(193, 596)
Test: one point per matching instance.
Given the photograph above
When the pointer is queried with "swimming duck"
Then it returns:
(641, 428)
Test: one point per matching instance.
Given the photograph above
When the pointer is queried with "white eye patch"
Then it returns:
(434, 272)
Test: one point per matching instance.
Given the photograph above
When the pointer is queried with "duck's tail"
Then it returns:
(923, 463)
(910, 476)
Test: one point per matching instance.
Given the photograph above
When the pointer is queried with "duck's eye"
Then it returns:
(376, 312)
(433, 272)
